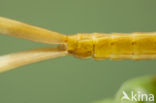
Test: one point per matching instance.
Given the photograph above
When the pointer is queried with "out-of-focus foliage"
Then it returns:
(138, 90)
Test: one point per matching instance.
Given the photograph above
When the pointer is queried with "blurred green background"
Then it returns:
(69, 79)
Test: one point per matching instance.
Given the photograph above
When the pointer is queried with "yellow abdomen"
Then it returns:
(113, 46)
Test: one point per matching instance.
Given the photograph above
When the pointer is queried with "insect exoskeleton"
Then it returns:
(80, 45)
(136, 46)
(89, 45)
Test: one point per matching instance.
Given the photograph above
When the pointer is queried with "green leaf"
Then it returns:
(139, 90)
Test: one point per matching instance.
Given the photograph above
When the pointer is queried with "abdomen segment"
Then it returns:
(125, 46)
